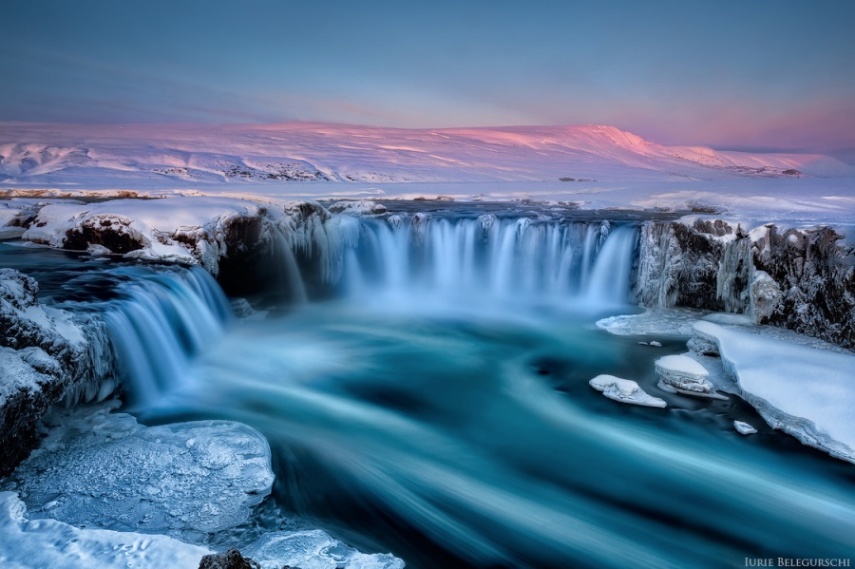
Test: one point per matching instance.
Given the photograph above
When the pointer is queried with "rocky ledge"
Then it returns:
(47, 356)
(801, 279)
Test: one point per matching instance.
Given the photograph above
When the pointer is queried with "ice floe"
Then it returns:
(802, 390)
(30, 543)
(624, 391)
(105, 470)
(684, 375)
(744, 428)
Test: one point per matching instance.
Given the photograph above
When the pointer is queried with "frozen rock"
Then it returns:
(45, 357)
(231, 559)
(25, 544)
(682, 374)
(624, 391)
(97, 468)
(314, 549)
(744, 428)
(655, 344)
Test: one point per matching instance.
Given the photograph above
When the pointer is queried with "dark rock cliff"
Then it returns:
(802, 279)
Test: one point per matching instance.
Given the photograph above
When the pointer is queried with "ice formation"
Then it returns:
(103, 469)
(624, 391)
(802, 390)
(744, 428)
(28, 543)
(682, 374)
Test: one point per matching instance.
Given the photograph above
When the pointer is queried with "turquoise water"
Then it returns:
(455, 436)
(438, 407)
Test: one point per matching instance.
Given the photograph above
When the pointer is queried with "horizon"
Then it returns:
(771, 75)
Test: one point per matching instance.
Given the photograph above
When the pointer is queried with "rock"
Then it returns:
(624, 391)
(801, 279)
(231, 559)
(46, 357)
(682, 374)
(744, 428)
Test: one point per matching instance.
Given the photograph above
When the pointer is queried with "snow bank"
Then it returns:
(25, 544)
(624, 391)
(103, 469)
(802, 390)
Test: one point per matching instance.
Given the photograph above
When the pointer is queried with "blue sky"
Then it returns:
(732, 74)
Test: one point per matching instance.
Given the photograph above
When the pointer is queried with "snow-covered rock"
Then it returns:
(744, 428)
(180, 229)
(30, 543)
(682, 374)
(803, 390)
(103, 469)
(624, 391)
(45, 357)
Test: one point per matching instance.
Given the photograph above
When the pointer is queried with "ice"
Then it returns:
(37, 543)
(671, 322)
(624, 391)
(103, 469)
(684, 375)
(803, 390)
(744, 428)
(314, 549)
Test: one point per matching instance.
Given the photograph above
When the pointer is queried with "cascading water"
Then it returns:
(420, 256)
(158, 320)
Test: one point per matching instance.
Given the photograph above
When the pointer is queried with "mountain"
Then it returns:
(41, 155)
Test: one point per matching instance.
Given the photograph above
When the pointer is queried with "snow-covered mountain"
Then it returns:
(40, 155)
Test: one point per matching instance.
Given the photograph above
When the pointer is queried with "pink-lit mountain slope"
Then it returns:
(43, 155)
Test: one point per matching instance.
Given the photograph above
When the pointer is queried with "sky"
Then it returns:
(733, 74)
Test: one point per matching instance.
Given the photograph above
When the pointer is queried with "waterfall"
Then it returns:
(159, 319)
(483, 257)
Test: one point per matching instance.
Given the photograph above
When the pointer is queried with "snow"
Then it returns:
(26, 544)
(160, 229)
(806, 391)
(103, 469)
(744, 428)
(624, 391)
(609, 168)
(685, 375)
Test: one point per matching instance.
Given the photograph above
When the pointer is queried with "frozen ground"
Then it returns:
(602, 167)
